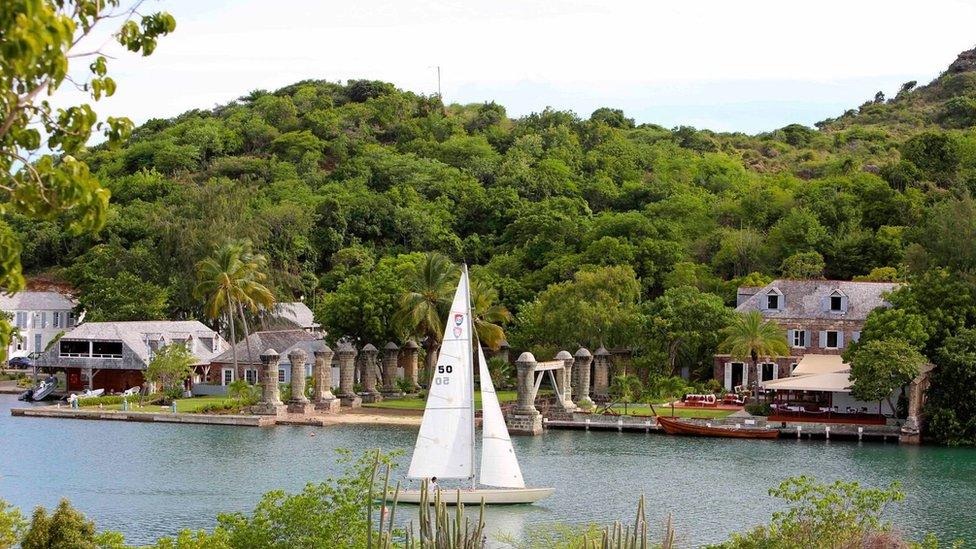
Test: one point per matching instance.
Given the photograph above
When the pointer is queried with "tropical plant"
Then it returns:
(11, 525)
(501, 372)
(170, 366)
(882, 366)
(67, 527)
(42, 176)
(822, 516)
(242, 391)
(488, 315)
(751, 337)
(625, 388)
(231, 281)
(422, 308)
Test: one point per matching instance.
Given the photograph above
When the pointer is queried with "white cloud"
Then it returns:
(769, 56)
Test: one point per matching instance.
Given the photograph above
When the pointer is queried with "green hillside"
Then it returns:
(333, 182)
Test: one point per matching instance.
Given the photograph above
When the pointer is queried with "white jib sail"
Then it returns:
(444, 445)
(499, 465)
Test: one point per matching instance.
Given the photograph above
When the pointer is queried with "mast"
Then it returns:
(470, 359)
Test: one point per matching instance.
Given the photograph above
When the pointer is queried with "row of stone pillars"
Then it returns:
(322, 397)
(572, 380)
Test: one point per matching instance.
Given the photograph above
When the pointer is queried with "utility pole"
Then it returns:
(439, 96)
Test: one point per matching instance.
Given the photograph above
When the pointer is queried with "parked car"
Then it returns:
(24, 362)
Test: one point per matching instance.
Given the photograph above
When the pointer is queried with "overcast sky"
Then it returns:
(743, 65)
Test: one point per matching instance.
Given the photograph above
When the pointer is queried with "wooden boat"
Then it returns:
(673, 426)
(445, 446)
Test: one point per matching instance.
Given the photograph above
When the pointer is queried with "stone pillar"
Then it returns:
(298, 403)
(525, 419)
(564, 383)
(620, 360)
(408, 360)
(270, 403)
(368, 374)
(503, 349)
(323, 398)
(601, 374)
(581, 366)
(391, 353)
(911, 432)
(347, 373)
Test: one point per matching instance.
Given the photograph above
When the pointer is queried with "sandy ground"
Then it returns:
(357, 416)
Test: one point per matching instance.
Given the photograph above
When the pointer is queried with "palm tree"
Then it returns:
(231, 281)
(750, 337)
(430, 286)
(488, 314)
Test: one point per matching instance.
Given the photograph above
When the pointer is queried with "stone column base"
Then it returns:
(305, 407)
(351, 401)
(524, 424)
(393, 394)
(268, 409)
(371, 397)
(329, 405)
(910, 436)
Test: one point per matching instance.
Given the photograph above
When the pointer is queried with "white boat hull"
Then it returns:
(491, 496)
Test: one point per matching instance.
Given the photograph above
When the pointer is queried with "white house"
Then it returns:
(40, 317)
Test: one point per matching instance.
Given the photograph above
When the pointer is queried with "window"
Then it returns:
(207, 343)
(281, 375)
(106, 349)
(74, 349)
(792, 368)
(55, 319)
(21, 320)
(799, 338)
(251, 376)
(768, 371)
(772, 301)
(71, 320)
(43, 320)
(836, 303)
(831, 340)
(227, 376)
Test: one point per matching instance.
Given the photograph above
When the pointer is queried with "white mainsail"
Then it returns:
(499, 465)
(445, 445)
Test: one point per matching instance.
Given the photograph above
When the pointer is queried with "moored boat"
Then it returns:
(673, 426)
(41, 391)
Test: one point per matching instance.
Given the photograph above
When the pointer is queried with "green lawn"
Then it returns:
(183, 405)
(645, 410)
(418, 403)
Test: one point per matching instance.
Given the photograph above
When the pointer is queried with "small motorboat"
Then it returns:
(41, 391)
(88, 393)
(130, 392)
(673, 426)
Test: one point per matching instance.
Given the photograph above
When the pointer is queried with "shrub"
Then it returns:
(759, 409)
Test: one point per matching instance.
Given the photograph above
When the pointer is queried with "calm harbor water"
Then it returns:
(151, 480)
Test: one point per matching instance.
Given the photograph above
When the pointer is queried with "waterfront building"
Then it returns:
(114, 355)
(820, 317)
(39, 317)
(221, 371)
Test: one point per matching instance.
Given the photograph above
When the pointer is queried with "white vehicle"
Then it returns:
(446, 442)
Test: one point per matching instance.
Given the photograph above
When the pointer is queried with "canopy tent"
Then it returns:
(831, 382)
(820, 364)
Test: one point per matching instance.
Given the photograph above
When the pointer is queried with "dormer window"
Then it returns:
(836, 302)
(773, 300)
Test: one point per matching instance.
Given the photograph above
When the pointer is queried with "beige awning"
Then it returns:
(832, 382)
(821, 364)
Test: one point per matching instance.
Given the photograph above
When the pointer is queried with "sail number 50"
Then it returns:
(443, 380)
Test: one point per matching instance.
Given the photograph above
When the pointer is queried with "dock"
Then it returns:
(787, 430)
(146, 417)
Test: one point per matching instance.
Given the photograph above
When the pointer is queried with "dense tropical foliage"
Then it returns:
(584, 230)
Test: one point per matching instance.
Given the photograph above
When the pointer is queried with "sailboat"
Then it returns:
(445, 446)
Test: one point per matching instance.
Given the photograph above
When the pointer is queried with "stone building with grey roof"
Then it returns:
(819, 316)
(114, 355)
(221, 370)
(39, 317)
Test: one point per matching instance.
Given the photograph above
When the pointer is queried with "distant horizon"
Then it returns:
(670, 64)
